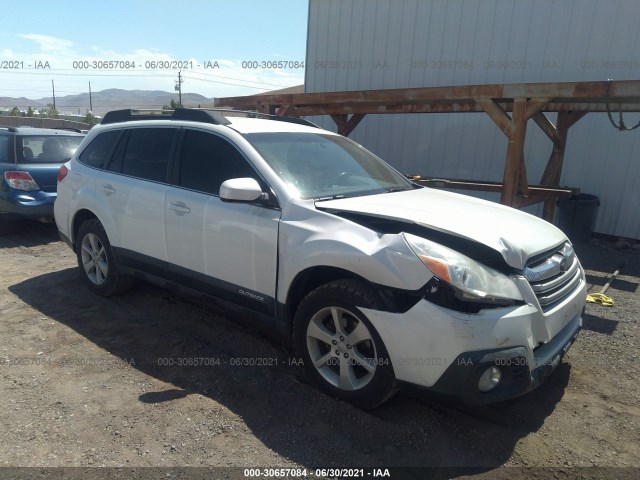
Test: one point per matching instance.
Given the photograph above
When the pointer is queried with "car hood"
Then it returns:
(516, 235)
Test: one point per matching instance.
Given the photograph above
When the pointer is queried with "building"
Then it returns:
(375, 44)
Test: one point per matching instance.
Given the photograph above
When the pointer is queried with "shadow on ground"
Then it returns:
(29, 233)
(287, 415)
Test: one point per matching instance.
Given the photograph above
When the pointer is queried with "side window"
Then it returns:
(4, 149)
(207, 160)
(147, 153)
(99, 150)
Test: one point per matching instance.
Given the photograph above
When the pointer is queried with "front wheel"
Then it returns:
(342, 352)
(96, 261)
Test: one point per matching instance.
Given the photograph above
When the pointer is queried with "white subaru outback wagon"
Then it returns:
(376, 281)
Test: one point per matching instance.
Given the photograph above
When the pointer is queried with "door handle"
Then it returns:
(180, 208)
(108, 189)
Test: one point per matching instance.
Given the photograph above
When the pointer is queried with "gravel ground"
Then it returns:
(83, 384)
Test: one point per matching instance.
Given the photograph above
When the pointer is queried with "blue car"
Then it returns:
(29, 162)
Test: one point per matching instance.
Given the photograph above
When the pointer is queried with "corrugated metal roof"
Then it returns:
(371, 44)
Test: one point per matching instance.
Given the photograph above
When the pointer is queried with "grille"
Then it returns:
(555, 277)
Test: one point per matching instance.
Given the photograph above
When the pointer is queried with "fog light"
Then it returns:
(489, 379)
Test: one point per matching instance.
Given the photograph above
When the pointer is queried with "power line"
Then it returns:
(236, 78)
(81, 74)
(138, 73)
(130, 74)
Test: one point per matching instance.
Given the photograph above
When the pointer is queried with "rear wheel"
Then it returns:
(342, 352)
(97, 262)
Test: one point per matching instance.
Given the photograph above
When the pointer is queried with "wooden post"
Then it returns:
(345, 124)
(553, 170)
(515, 153)
(268, 109)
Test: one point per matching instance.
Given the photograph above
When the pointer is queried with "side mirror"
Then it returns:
(241, 190)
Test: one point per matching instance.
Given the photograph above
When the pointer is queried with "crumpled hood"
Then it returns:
(516, 235)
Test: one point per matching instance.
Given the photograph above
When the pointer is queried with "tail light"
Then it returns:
(21, 181)
(62, 173)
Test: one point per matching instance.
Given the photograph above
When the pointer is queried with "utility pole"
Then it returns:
(53, 89)
(90, 100)
(179, 87)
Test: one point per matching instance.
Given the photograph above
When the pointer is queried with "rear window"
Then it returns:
(46, 148)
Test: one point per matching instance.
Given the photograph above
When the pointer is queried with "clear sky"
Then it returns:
(256, 44)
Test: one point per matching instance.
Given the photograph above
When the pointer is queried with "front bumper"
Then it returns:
(17, 204)
(446, 351)
(518, 377)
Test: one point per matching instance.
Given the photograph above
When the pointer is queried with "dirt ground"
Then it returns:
(85, 382)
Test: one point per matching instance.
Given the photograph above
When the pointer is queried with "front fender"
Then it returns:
(314, 238)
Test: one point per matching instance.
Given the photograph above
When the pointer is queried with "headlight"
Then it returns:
(470, 280)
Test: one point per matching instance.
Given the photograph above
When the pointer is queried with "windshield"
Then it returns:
(326, 166)
(46, 148)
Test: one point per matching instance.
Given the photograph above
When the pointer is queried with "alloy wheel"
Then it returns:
(341, 348)
(94, 259)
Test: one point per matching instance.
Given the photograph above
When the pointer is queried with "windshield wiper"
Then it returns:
(329, 197)
(395, 189)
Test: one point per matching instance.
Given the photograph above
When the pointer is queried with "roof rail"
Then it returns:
(265, 116)
(190, 114)
(11, 129)
(217, 116)
(71, 129)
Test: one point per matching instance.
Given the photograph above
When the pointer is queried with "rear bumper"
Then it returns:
(36, 204)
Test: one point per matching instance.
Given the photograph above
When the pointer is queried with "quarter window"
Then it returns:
(98, 151)
(147, 153)
(208, 160)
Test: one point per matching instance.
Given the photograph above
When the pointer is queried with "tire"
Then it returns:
(359, 371)
(96, 261)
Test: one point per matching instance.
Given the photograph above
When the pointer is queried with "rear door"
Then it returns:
(130, 193)
(227, 249)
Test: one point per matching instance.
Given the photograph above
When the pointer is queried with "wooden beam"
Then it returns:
(523, 182)
(547, 127)
(462, 106)
(346, 124)
(497, 114)
(553, 170)
(619, 92)
(340, 120)
(574, 117)
(284, 110)
(515, 153)
(536, 105)
(352, 123)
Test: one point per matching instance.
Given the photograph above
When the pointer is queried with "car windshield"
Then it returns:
(323, 166)
(46, 148)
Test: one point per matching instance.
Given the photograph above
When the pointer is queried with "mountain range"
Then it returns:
(105, 100)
